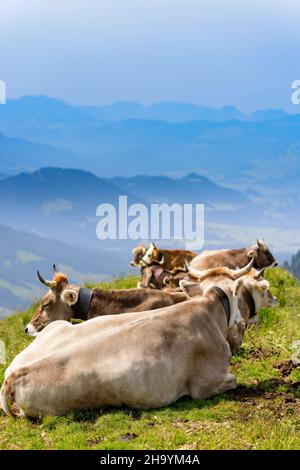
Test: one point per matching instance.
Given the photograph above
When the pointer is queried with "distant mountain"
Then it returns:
(61, 204)
(164, 111)
(223, 144)
(192, 188)
(20, 155)
(267, 115)
(57, 203)
(42, 111)
(228, 151)
(23, 253)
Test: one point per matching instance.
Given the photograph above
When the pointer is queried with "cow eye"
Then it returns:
(45, 306)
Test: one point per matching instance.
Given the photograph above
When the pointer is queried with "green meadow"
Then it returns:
(262, 413)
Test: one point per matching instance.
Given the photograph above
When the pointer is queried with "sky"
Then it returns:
(209, 52)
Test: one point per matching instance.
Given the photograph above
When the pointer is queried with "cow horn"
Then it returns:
(233, 273)
(55, 268)
(50, 284)
(241, 272)
(161, 261)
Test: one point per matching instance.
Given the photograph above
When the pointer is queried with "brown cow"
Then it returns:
(170, 260)
(64, 301)
(221, 277)
(234, 259)
(156, 277)
(142, 360)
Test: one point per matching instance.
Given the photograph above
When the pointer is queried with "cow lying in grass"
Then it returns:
(161, 268)
(156, 277)
(171, 260)
(235, 259)
(219, 276)
(141, 360)
(156, 264)
(64, 301)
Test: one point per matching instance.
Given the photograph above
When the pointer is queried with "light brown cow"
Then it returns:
(235, 259)
(64, 301)
(171, 260)
(141, 360)
(221, 277)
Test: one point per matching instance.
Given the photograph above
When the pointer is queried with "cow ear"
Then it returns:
(69, 296)
(251, 253)
(237, 286)
(191, 289)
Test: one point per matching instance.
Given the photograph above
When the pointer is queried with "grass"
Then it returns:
(262, 413)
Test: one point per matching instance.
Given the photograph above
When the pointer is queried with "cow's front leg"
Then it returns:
(206, 391)
(228, 383)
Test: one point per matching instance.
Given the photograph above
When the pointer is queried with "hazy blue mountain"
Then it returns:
(42, 111)
(57, 203)
(164, 111)
(227, 151)
(223, 144)
(20, 155)
(267, 115)
(61, 204)
(192, 188)
(23, 253)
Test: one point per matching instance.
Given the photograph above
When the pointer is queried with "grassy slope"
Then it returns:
(263, 413)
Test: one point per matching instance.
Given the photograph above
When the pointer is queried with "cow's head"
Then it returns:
(262, 254)
(259, 289)
(152, 255)
(138, 253)
(55, 305)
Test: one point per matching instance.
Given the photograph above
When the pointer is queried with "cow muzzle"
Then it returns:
(30, 330)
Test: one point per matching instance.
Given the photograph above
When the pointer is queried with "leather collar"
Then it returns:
(222, 296)
(250, 302)
(82, 306)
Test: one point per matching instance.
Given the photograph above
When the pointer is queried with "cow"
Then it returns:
(171, 260)
(154, 273)
(64, 301)
(141, 360)
(156, 277)
(220, 277)
(235, 259)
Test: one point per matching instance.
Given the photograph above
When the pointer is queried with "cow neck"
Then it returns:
(82, 306)
(159, 274)
(223, 298)
(248, 298)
